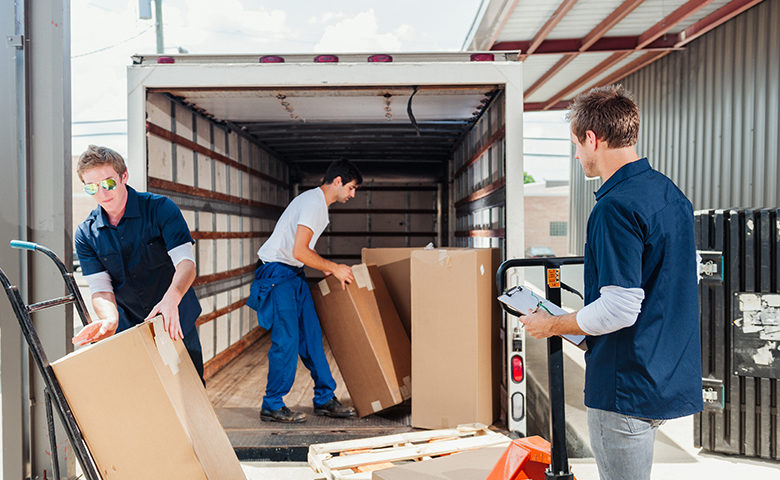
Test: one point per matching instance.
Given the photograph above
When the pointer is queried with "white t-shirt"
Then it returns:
(308, 209)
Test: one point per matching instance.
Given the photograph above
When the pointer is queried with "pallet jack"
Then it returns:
(533, 454)
(52, 389)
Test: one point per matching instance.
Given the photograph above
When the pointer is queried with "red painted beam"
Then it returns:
(632, 67)
(592, 74)
(539, 106)
(550, 73)
(541, 35)
(674, 18)
(719, 16)
(606, 25)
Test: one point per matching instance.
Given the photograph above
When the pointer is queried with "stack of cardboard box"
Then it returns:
(444, 299)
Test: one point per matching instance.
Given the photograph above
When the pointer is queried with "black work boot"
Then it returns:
(334, 408)
(284, 415)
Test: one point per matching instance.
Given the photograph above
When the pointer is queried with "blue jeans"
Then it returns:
(622, 444)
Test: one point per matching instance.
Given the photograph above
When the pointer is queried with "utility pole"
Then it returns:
(145, 13)
(158, 24)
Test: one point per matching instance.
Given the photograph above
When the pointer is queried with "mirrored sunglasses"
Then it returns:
(107, 184)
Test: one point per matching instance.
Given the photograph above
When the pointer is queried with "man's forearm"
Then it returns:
(566, 325)
(312, 259)
(182, 280)
(104, 304)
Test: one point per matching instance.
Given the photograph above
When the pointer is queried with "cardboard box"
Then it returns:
(474, 464)
(455, 337)
(394, 265)
(367, 339)
(143, 410)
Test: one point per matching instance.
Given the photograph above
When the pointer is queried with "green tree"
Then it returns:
(528, 178)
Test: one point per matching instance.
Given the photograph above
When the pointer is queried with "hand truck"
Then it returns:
(559, 465)
(52, 389)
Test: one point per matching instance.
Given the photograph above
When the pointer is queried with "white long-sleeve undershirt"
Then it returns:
(616, 308)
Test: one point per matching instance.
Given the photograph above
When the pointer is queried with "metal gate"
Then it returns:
(740, 328)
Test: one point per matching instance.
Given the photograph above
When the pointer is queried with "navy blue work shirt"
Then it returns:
(135, 255)
(640, 234)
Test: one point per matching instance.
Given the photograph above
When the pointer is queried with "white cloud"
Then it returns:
(360, 33)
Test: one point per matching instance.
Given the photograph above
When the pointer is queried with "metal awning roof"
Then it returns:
(569, 46)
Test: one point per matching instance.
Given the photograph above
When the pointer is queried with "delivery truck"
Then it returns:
(233, 138)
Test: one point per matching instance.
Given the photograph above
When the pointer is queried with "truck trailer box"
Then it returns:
(143, 410)
(368, 342)
(455, 337)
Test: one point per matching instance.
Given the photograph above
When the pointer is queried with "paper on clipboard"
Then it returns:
(521, 299)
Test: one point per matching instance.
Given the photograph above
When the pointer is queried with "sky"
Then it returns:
(105, 33)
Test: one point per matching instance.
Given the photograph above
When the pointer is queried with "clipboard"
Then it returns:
(520, 299)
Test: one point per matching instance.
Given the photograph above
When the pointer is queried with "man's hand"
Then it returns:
(169, 309)
(538, 323)
(95, 331)
(344, 274)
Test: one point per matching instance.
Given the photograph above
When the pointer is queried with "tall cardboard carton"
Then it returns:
(143, 410)
(368, 342)
(455, 337)
(394, 265)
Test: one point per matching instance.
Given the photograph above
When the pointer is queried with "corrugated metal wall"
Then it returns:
(710, 118)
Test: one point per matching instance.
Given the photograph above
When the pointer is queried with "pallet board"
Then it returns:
(356, 459)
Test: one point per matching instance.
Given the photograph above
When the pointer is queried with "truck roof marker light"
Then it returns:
(165, 60)
(271, 59)
(380, 58)
(482, 57)
(326, 59)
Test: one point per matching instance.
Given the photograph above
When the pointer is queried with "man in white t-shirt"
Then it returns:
(283, 302)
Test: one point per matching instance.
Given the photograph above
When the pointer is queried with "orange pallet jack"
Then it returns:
(533, 457)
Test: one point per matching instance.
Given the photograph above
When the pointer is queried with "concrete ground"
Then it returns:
(675, 459)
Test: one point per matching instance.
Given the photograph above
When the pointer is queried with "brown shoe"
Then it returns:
(284, 415)
(334, 408)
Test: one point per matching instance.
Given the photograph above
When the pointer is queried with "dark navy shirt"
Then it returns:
(640, 234)
(135, 255)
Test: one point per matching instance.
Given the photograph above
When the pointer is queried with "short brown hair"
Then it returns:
(95, 156)
(610, 112)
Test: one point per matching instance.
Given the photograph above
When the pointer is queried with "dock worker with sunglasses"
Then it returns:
(135, 251)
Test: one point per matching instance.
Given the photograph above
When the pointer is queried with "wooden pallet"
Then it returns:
(356, 459)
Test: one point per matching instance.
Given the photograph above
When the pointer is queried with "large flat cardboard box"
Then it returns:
(368, 341)
(470, 465)
(143, 410)
(455, 337)
(395, 267)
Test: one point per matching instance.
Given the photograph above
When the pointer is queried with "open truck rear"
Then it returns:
(232, 139)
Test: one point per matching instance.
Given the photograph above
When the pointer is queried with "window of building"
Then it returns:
(558, 229)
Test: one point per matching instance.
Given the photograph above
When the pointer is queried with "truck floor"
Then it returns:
(236, 394)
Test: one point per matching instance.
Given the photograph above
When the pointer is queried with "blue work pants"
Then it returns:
(283, 302)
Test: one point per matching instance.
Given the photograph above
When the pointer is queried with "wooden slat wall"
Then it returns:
(479, 180)
(191, 156)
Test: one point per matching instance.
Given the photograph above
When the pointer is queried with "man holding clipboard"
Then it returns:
(641, 318)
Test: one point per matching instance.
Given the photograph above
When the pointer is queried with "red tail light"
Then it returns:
(482, 57)
(326, 59)
(517, 369)
(380, 58)
(165, 60)
(271, 59)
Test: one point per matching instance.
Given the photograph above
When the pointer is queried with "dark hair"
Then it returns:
(609, 112)
(342, 168)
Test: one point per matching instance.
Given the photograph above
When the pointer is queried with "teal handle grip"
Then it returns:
(23, 244)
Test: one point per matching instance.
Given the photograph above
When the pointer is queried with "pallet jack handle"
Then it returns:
(559, 465)
(53, 390)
